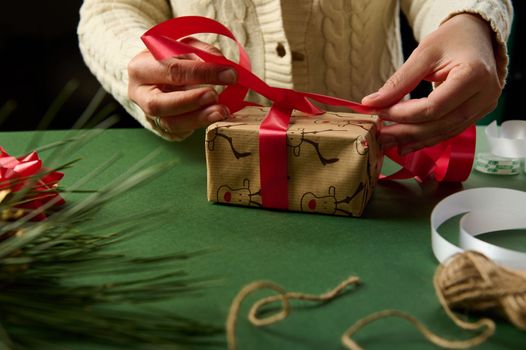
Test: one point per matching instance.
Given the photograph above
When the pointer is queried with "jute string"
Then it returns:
(469, 282)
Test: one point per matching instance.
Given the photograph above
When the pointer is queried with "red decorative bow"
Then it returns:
(448, 161)
(16, 174)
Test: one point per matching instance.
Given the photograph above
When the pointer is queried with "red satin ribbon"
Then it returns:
(448, 161)
(16, 174)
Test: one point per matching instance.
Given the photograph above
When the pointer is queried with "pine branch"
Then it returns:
(47, 268)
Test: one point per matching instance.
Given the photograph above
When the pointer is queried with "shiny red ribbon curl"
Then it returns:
(450, 160)
(16, 174)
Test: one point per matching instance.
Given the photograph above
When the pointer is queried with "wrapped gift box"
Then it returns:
(333, 161)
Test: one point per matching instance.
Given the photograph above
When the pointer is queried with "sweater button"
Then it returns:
(280, 50)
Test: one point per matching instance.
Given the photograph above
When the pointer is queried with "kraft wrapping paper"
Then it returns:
(333, 161)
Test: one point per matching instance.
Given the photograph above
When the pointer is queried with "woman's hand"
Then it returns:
(458, 57)
(171, 92)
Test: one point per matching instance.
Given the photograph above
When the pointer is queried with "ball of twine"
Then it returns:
(468, 281)
(472, 282)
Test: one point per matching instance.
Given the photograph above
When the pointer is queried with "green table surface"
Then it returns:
(389, 247)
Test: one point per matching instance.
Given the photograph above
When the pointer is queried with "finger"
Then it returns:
(447, 97)
(461, 85)
(406, 134)
(404, 80)
(173, 71)
(201, 45)
(155, 102)
(416, 132)
(404, 149)
(414, 136)
(196, 119)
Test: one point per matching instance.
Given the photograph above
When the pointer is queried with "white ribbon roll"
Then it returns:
(509, 141)
(487, 210)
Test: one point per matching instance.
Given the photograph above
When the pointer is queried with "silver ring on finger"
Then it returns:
(158, 126)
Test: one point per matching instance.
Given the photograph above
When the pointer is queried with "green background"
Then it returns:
(388, 248)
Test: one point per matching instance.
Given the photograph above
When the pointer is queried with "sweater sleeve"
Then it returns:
(427, 15)
(109, 34)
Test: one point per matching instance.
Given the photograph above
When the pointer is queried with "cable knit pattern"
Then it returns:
(210, 12)
(361, 50)
(336, 53)
(391, 57)
(297, 20)
(237, 22)
(349, 47)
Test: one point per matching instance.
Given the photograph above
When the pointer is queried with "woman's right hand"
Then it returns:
(170, 94)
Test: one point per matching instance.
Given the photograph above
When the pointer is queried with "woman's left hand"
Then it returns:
(459, 58)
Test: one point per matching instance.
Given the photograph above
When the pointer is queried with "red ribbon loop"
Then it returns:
(448, 161)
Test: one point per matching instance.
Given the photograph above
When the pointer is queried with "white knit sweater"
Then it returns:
(343, 48)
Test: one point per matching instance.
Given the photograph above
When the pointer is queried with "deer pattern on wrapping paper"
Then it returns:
(361, 145)
(296, 139)
(342, 120)
(239, 196)
(328, 204)
(216, 133)
(343, 123)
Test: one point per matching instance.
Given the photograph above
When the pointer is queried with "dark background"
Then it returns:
(39, 55)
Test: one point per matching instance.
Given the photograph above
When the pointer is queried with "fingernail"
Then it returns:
(208, 98)
(228, 76)
(227, 112)
(215, 117)
(370, 97)
(387, 140)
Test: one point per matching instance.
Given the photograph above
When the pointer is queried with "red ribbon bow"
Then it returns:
(448, 161)
(16, 174)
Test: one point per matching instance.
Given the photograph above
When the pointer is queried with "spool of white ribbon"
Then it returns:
(486, 210)
(509, 141)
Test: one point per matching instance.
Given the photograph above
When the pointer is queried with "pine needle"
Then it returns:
(6, 110)
(47, 268)
(52, 111)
